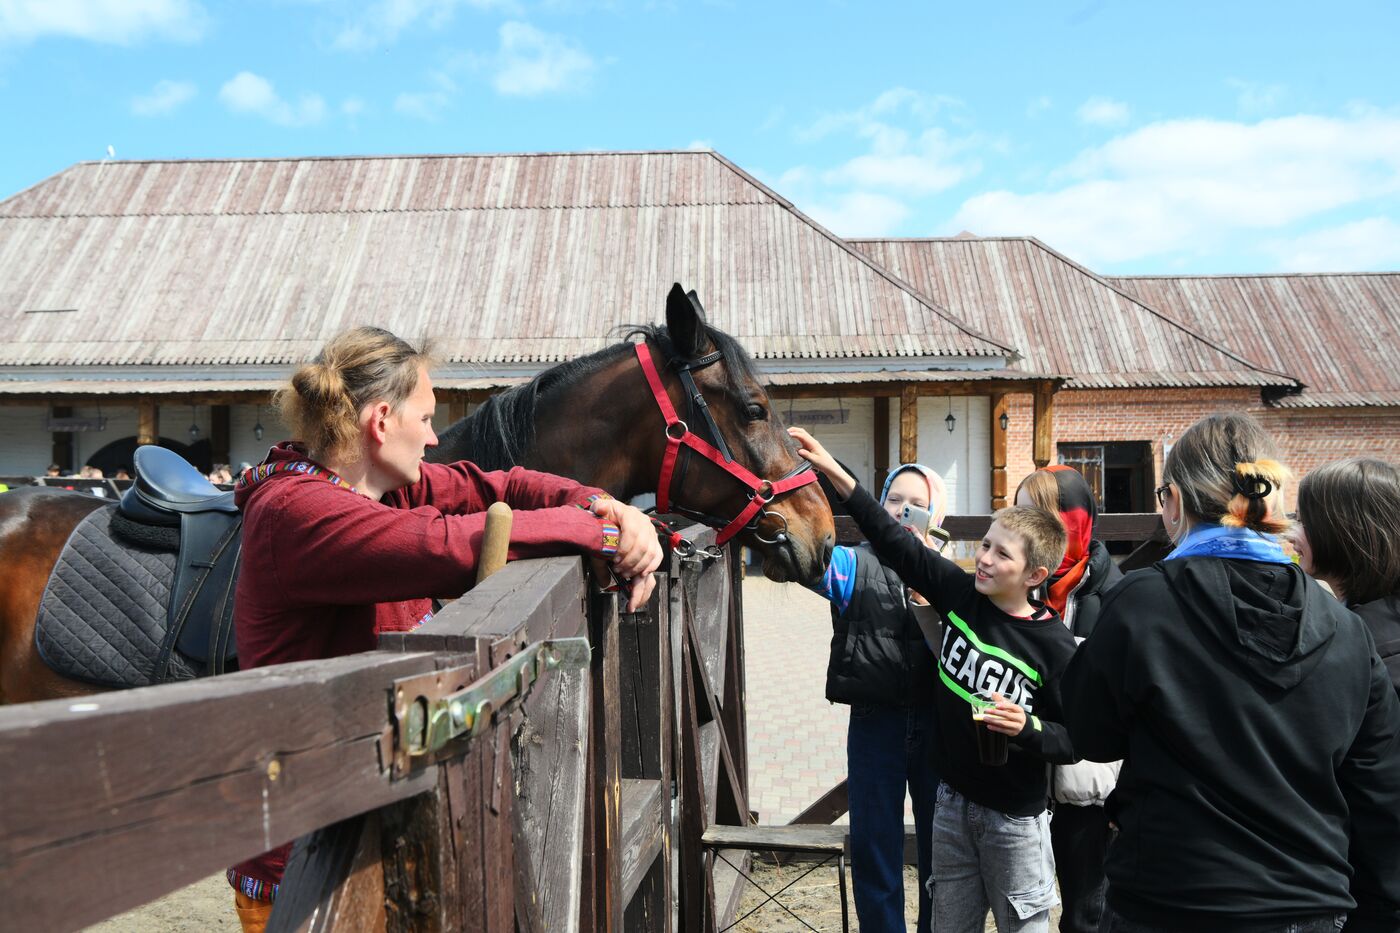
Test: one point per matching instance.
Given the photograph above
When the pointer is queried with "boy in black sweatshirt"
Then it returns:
(1001, 657)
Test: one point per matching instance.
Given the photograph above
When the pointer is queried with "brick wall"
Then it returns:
(1307, 437)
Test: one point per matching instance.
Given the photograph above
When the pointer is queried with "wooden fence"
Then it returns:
(581, 808)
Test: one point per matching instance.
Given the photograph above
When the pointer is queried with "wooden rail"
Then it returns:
(561, 815)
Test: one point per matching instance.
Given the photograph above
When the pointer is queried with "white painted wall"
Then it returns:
(963, 458)
(852, 442)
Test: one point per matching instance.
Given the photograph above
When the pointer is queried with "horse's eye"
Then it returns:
(756, 412)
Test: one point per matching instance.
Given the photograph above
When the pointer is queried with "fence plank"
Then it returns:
(1109, 526)
(126, 778)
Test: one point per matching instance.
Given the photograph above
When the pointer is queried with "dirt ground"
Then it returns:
(203, 906)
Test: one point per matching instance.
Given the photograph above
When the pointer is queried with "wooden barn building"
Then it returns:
(169, 299)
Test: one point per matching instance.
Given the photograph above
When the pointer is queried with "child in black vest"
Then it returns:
(880, 665)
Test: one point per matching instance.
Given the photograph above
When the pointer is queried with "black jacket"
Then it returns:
(1261, 739)
(878, 655)
(1382, 617)
(1082, 607)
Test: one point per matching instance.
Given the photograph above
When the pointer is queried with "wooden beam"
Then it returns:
(908, 425)
(897, 389)
(881, 441)
(62, 452)
(1042, 449)
(148, 422)
(1000, 405)
(218, 433)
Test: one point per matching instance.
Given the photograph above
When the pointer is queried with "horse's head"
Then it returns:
(724, 455)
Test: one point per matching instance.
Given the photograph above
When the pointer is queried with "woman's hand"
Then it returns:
(818, 456)
(638, 549)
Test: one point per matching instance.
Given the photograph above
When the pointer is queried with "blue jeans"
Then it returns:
(887, 750)
(984, 859)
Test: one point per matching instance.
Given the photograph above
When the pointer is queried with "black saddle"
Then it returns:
(170, 493)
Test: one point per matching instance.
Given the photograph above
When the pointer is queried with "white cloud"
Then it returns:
(1188, 185)
(1038, 105)
(701, 145)
(859, 214)
(1254, 99)
(918, 166)
(246, 92)
(531, 62)
(1361, 246)
(352, 107)
(382, 22)
(120, 22)
(430, 104)
(164, 98)
(1101, 111)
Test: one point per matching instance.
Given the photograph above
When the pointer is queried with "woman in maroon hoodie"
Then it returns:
(348, 532)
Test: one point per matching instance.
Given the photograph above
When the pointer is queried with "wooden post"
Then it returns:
(148, 422)
(1042, 447)
(881, 447)
(219, 433)
(63, 443)
(908, 425)
(456, 407)
(998, 435)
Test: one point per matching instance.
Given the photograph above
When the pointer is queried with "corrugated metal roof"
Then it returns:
(500, 259)
(1338, 333)
(1064, 318)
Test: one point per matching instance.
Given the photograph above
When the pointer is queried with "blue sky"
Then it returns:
(1135, 138)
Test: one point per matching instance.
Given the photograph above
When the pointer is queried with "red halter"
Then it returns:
(678, 434)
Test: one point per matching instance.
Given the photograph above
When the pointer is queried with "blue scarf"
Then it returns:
(1234, 543)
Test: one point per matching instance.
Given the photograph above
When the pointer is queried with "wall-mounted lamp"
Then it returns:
(950, 421)
(1003, 421)
(257, 424)
(194, 426)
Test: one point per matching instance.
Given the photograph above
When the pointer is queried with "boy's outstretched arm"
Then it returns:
(943, 583)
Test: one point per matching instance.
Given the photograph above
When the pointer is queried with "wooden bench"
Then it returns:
(819, 841)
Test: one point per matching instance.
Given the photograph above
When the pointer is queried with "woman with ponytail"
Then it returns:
(1079, 832)
(347, 532)
(1260, 736)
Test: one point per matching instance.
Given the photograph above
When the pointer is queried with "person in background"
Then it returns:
(220, 475)
(1348, 536)
(54, 470)
(347, 532)
(881, 666)
(1260, 735)
(1080, 829)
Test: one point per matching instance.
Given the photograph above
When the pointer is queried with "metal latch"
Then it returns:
(426, 719)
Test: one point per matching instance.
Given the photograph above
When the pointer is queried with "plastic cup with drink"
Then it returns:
(991, 745)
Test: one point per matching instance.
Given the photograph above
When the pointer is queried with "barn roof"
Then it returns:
(503, 260)
(1338, 333)
(1064, 318)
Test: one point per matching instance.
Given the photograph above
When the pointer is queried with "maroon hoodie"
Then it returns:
(321, 563)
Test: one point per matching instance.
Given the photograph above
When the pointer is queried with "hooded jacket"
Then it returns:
(1382, 617)
(1262, 742)
(878, 654)
(324, 569)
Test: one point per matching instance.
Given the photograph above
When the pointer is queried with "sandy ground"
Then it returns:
(204, 905)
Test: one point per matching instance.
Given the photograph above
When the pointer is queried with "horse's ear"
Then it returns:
(685, 320)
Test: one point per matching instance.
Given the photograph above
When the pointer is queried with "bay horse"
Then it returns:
(599, 419)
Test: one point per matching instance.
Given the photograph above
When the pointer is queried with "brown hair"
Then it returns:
(1350, 511)
(1225, 469)
(1041, 530)
(323, 402)
(1042, 489)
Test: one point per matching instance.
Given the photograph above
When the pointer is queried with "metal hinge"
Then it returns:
(431, 711)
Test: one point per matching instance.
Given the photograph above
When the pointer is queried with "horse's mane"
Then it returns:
(498, 434)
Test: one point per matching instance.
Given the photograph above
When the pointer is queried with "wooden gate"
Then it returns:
(580, 808)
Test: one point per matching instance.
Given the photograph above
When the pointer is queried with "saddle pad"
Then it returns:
(102, 618)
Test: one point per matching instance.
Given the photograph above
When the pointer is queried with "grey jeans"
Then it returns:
(984, 859)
